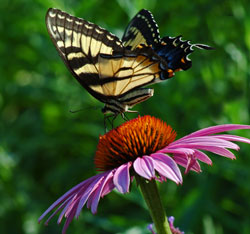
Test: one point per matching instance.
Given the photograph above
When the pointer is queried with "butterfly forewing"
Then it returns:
(80, 43)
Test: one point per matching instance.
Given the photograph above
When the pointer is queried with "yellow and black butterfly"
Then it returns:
(143, 29)
(98, 60)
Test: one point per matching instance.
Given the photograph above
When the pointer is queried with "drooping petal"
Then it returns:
(93, 202)
(86, 193)
(144, 167)
(167, 167)
(67, 222)
(68, 208)
(122, 178)
(74, 205)
(107, 189)
(68, 194)
(56, 211)
(191, 161)
(203, 157)
(72, 202)
(183, 161)
(195, 167)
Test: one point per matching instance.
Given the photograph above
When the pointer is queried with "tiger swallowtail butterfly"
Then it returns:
(143, 29)
(102, 65)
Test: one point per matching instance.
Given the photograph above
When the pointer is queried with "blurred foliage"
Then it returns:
(45, 150)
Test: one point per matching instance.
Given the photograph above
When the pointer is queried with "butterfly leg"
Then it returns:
(111, 121)
(107, 118)
(105, 125)
(124, 116)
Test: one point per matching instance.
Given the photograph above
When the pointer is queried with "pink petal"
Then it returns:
(96, 196)
(203, 141)
(122, 178)
(184, 151)
(219, 151)
(68, 208)
(67, 222)
(86, 193)
(233, 138)
(72, 202)
(191, 163)
(144, 167)
(107, 189)
(57, 210)
(195, 167)
(208, 147)
(215, 129)
(68, 194)
(167, 167)
(183, 161)
(203, 157)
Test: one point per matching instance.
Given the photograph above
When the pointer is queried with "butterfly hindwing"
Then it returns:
(142, 29)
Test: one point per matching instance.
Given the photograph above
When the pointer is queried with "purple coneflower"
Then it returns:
(145, 149)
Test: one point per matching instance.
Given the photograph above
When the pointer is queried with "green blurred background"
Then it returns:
(45, 150)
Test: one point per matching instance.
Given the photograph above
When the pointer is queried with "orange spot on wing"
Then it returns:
(183, 60)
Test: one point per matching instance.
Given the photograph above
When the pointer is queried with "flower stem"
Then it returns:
(151, 195)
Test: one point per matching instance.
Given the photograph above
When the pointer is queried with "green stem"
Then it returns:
(151, 195)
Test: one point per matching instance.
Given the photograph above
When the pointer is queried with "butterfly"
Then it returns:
(143, 30)
(98, 60)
